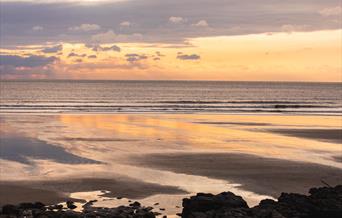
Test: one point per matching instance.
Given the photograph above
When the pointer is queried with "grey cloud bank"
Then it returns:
(101, 48)
(53, 49)
(135, 57)
(158, 21)
(25, 67)
(30, 61)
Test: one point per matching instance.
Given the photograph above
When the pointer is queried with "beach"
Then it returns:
(166, 109)
(163, 158)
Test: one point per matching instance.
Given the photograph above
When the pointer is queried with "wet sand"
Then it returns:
(14, 194)
(338, 158)
(55, 191)
(265, 176)
(68, 154)
(236, 123)
(329, 135)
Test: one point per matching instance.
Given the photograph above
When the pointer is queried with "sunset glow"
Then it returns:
(178, 48)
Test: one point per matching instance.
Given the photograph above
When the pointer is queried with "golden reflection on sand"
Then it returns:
(113, 139)
(191, 133)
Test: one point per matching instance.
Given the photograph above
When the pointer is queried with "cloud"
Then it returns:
(129, 37)
(182, 56)
(112, 48)
(101, 48)
(30, 61)
(135, 57)
(154, 19)
(53, 49)
(73, 54)
(159, 54)
(108, 36)
(79, 2)
(37, 28)
(85, 27)
(125, 24)
(333, 11)
(289, 28)
(92, 56)
(177, 20)
(201, 23)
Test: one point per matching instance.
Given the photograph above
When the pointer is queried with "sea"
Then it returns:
(158, 142)
(79, 96)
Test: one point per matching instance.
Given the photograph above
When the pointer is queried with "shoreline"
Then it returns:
(322, 202)
(55, 191)
(260, 175)
(165, 154)
(325, 135)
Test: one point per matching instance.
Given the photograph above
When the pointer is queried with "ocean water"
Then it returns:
(169, 97)
(114, 134)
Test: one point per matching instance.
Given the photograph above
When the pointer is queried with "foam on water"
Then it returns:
(169, 97)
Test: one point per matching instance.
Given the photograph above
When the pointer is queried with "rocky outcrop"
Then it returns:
(204, 204)
(29, 210)
(323, 202)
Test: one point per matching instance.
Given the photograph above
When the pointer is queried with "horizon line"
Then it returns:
(171, 80)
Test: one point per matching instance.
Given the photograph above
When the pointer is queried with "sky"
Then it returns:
(231, 40)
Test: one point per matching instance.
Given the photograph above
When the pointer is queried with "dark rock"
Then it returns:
(25, 206)
(55, 207)
(148, 208)
(323, 202)
(135, 204)
(209, 202)
(71, 205)
(267, 203)
(88, 205)
(36, 207)
(71, 214)
(39, 205)
(10, 209)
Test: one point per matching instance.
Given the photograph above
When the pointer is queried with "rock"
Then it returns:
(209, 202)
(323, 202)
(71, 205)
(71, 214)
(25, 206)
(148, 208)
(55, 207)
(39, 205)
(135, 204)
(10, 209)
(27, 213)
